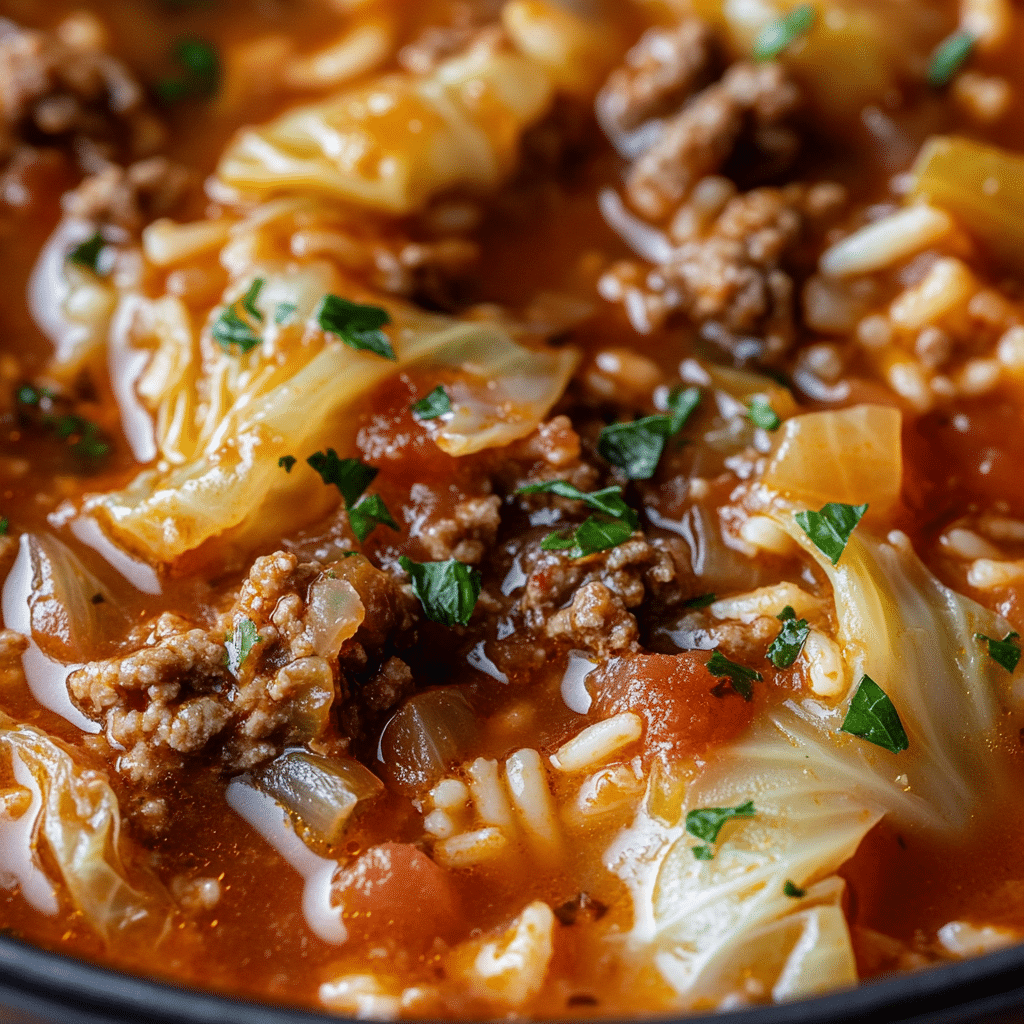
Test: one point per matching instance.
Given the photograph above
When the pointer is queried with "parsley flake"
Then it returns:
(702, 601)
(448, 591)
(762, 415)
(948, 58)
(786, 613)
(786, 647)
(250, 297)
(368, 514)
(4, 524)
(779, 34)
(704, 823)
(241, 644)
(873, 717)
(637, 447)
(284, 312)
(437, 403)
(831, 526)
(590, 537)
(350, 476)
(83, 436)
(200, 72)
(286, 462)
(89, 254)
(608, 500)
(793, 890)
(1003, 652)
(740, 677)
(230, 329)
(358, 326)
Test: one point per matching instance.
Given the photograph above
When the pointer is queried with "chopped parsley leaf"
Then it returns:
(778, 34)
(873, 717)
(88, 254)
(948, 58)
(786, 647)
(82, 435)
(590, 537)
(704, 823)
(702, 601)
(1003, 652)
(448, 591)
(250, 297)
(241, 644)
(368, 514)
(286, 462)
(231, 329)
(200, 72)
(794, 890)
(437, 403)
(740, 677)
(786, 613)
(350, 476)
(762, 415)
(284, 312)
(358, 326)
(608, 500)
(637, 447)
(4, 524)
(831, 526)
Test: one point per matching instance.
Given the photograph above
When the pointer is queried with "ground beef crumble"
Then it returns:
(176, 697)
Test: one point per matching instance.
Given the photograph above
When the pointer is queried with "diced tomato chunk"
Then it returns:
(687, 710)
(395, 890)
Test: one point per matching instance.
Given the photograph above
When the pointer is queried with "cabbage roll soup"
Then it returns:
(512, 509)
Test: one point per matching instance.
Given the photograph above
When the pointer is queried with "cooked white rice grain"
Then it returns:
(598, 742)
(469, 848)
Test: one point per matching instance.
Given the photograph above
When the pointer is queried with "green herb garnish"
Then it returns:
(82, 435)
(369, 513)
(831, 526)
(286, 462)
(88, 254)
(740, 677)
(786, 613)
(200, 72)
(350, 476)
(358, 326)
(873, 717)
(241, 643)
(704, 823)
(791, 889)
(284, 312)
(4, 524)
(448, 591)
(1004, 652)
(637, 447)
(608, 500)
(703, 601)
(789, 643)
(777, 35)
(230, 329)
(761, 414)
(437, 403)
(948, 58)
(590, 537)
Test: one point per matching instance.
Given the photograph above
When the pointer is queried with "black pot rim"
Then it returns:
(67, 990)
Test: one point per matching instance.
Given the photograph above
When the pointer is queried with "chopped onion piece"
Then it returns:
(431, 732)
(334, 614)
(322, 792)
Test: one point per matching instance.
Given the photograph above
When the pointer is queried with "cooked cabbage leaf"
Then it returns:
(76, 819)
(709, 925)
(358, 145)
(224, 420)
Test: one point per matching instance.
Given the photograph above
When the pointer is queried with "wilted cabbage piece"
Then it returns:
(717, 921)
(225, 414)
(76, 829)
(357, 146)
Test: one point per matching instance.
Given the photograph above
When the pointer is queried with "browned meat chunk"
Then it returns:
(659, 72)
(754, 98)
(128, 197)
(68, 90)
